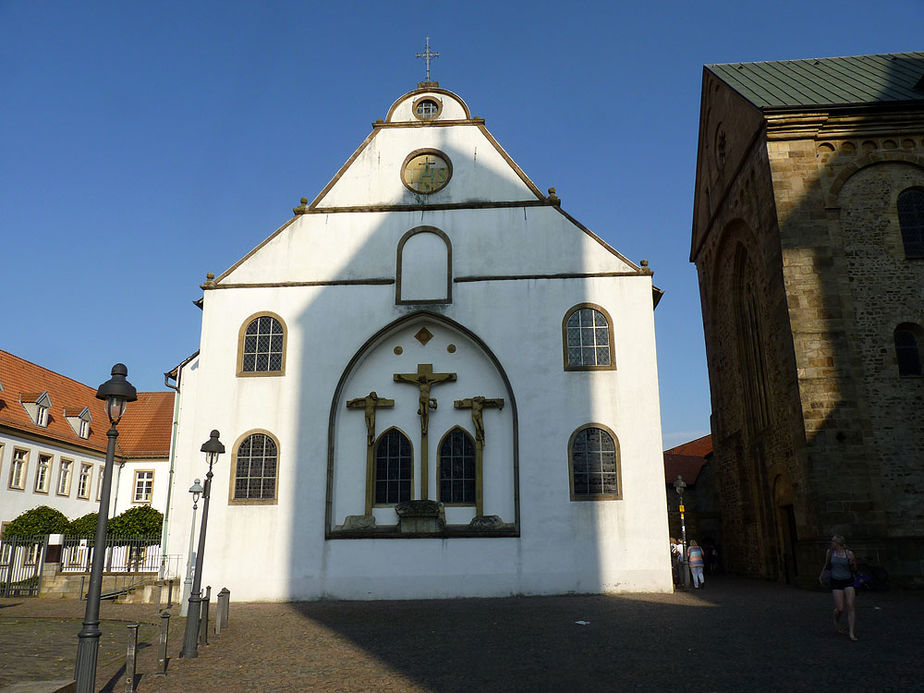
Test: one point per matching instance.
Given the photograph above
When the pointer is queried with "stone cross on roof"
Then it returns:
(428, 55)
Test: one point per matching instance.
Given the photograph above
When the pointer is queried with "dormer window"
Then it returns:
(37, 405)
(79, 420)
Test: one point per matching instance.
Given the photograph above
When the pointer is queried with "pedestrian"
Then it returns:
(697, 560)
(841, 565)
(675, 561)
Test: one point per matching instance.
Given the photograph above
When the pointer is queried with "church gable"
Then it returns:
(428, 151)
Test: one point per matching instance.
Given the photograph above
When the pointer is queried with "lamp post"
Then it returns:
(679, 487)
(212, 449)
(116, 391)
(196, 491)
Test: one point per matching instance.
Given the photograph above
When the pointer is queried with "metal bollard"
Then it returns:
(164, 632)
(204, 617)
(221, 617)
(131, 657)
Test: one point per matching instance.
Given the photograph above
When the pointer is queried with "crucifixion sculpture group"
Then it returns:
(424, 379)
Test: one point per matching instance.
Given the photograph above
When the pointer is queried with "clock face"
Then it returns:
(426, 171)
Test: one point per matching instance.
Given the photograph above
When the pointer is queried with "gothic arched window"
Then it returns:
(262, 346)
(908, 348)
(911, 221)
(393, 468)
(457, 468)
(593, 460)
(256, 460)
(588, 338)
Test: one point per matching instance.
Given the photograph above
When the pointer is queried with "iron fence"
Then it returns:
(21, 563)
(124, 554)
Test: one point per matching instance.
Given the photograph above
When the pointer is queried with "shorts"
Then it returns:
(841, 584)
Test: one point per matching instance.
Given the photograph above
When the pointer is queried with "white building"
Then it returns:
(430, 382)
(53, 444)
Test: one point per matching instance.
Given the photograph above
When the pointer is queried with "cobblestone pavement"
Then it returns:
(735, 635)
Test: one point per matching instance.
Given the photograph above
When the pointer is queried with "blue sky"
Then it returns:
(145, 144)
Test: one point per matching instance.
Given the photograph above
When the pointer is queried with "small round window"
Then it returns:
(427, 108)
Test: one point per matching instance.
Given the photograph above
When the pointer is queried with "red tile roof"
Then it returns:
(145, 428)
(687, 460)
(699, 447)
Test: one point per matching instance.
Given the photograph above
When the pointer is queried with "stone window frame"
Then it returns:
(916, 333)
(242, 333)
(400, 257)
(912, 231)
(564, 338)
(146, 496)
(22, 464)
(99, 482)
(44, 487)
(439, 469)
(244, 437)
(84, 480)
(375, 455)
(597, 496)
(65, 477)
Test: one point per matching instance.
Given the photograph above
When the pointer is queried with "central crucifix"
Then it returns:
(424, 379)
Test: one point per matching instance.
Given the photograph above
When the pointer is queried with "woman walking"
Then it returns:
(696, 558)
(842, 564)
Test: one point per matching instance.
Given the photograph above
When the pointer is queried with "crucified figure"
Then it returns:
(424, 379)
(369, 404)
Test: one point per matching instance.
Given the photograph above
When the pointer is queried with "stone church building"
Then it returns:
(808, 239)
(431, 381)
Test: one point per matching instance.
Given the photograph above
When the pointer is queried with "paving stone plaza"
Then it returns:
(736, 634)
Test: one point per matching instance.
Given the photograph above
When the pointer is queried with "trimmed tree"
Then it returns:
(142, 520)
(84, 526)
(40, 520)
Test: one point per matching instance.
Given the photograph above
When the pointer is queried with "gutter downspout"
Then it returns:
(176, 421)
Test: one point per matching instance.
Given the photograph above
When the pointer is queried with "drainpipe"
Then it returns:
(176, 421)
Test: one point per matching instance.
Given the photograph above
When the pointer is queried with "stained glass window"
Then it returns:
(457, 468)
(263, 346)
(594, 463)
(255, 470)
(587, 336)
(392, 468)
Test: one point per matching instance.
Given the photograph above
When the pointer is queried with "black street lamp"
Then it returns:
(679, 487)
(212, 449)
(116, 391)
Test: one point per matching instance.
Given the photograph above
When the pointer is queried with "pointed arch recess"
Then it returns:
(393, 326)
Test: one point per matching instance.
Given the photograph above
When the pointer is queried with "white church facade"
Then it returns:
(430, 382)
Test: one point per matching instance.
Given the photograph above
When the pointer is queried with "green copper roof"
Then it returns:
(861, 79)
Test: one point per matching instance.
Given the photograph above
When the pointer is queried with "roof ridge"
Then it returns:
(44, 368)
(815, 58)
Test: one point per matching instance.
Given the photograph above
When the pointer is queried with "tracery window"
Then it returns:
(256, 469)
(911, 221)
(588, 337)
(593, 456)
(907, 348)
(262, 346)
(393, 468)
(457, 468)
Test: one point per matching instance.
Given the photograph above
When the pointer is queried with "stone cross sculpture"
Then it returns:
(477, 405)
(424, 379)
(369, 404)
